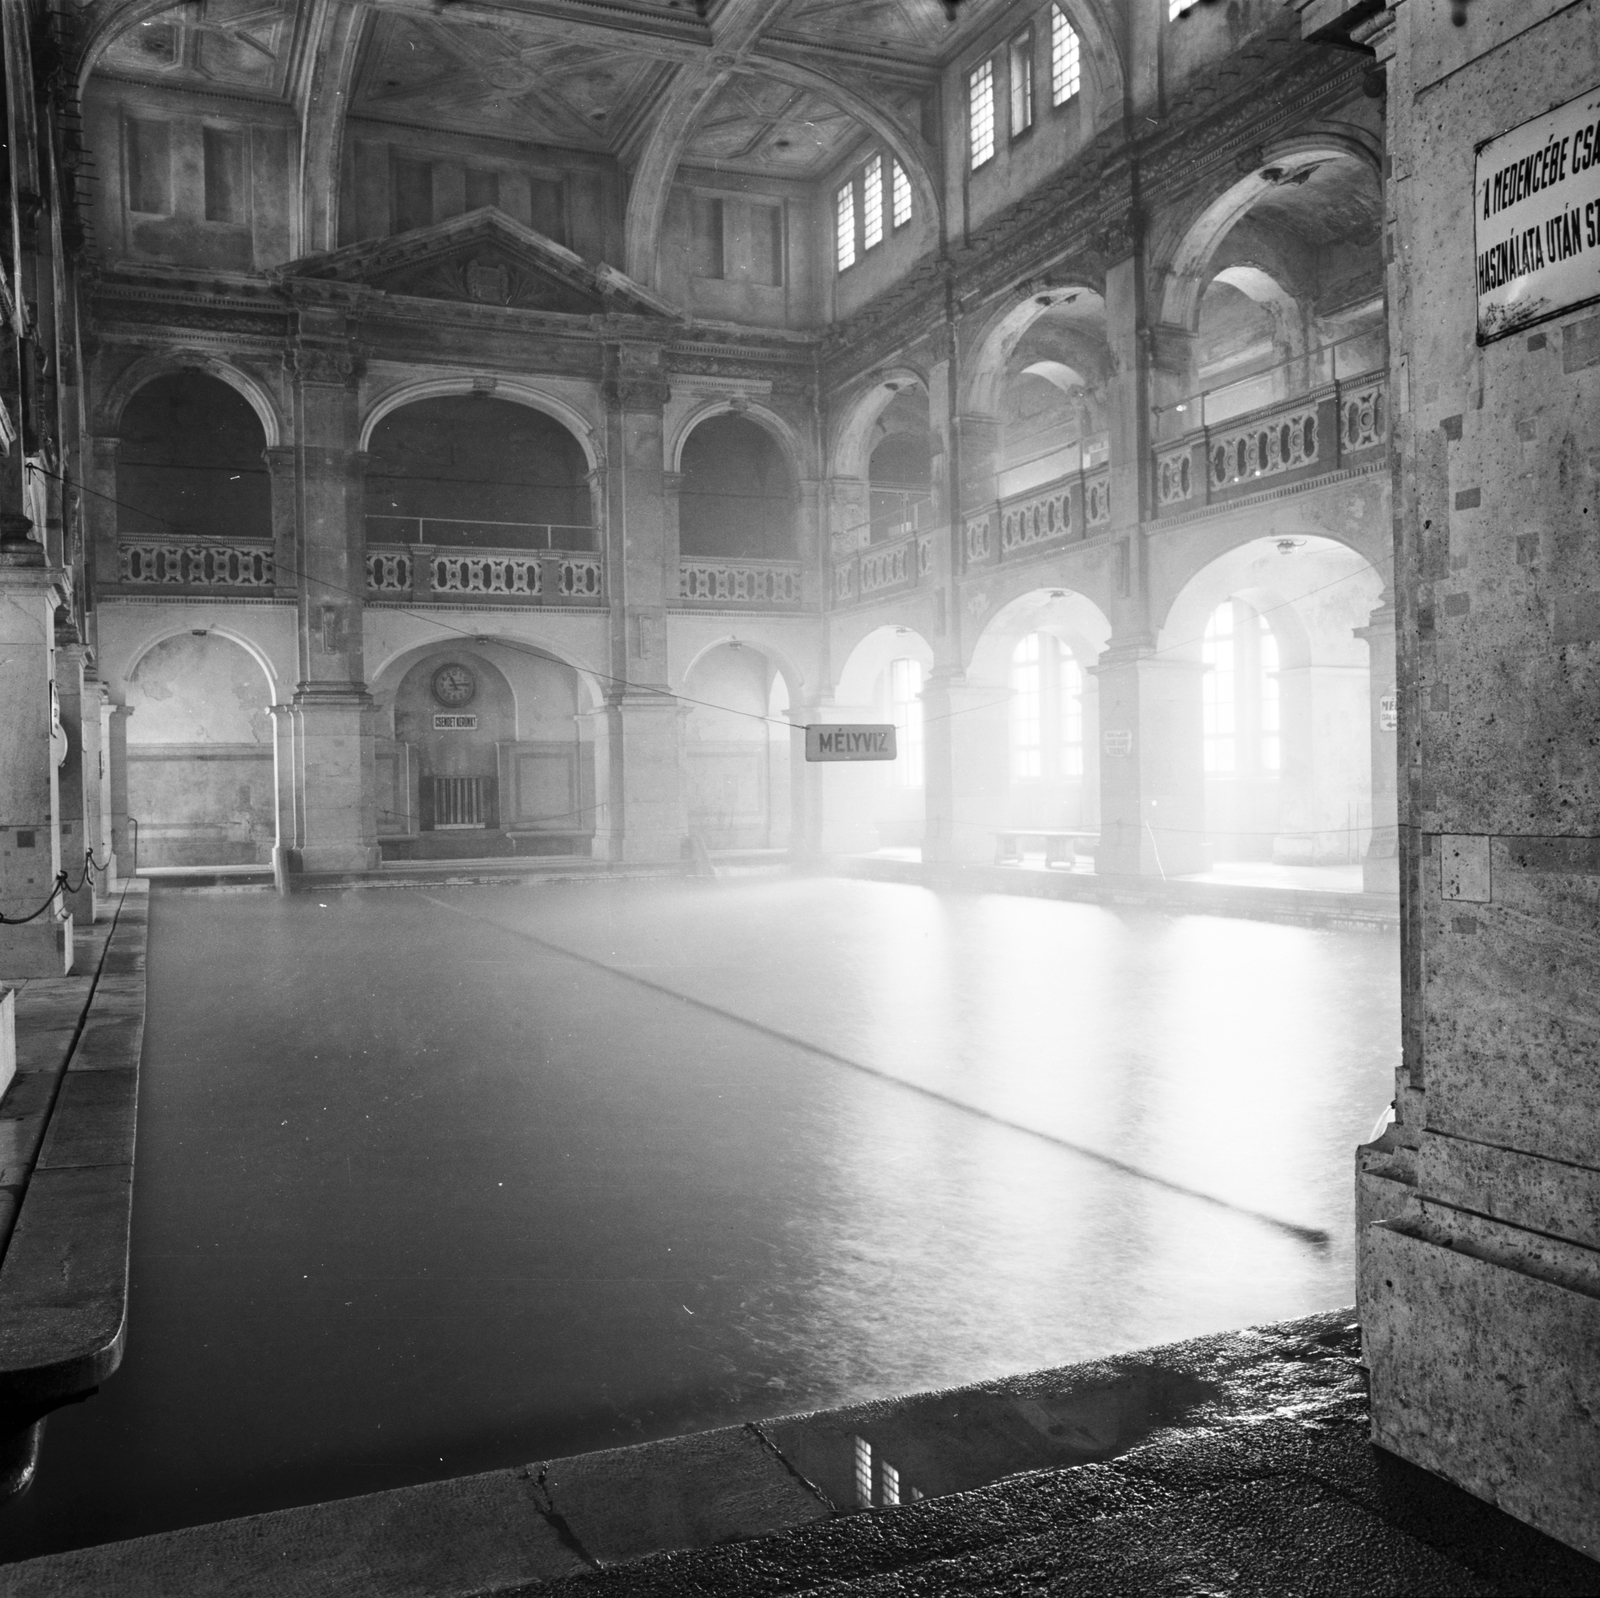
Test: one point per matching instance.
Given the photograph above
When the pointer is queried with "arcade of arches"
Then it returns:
(494, 431)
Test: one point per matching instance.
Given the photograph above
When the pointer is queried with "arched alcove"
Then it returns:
(900, 467)
(200, 754)
(738, 492)
(469, 469)
(478, 753)
(1283, 697)
(190, 462)
(736, 749)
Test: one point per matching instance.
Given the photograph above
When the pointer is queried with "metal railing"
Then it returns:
(1346, 359)
(466, 532)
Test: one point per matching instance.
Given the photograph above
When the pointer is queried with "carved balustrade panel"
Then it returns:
(751, 582)
(581, 577)
(924, 554)
(1097, 497)
(1175, 476)
(977, 536)
(1362, 413)
(1044, 515)
(388, 571)
(844, 580)
(1278, 443)
(502, 576)
(189, 564)
(886, 567)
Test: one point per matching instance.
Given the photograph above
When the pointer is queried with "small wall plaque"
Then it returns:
(455, 723)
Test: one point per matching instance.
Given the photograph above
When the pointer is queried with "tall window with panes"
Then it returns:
(1241, 709)
(1046, 710)
(980, 112)
(1066, 63)
(844, 233)
(1021, 58)
(900, 196)
(872, 203)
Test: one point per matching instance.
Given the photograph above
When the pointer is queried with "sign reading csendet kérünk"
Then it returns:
(864, 741)
(1536, 205)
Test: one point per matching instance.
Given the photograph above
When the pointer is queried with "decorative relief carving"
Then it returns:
(976, 532)
(1363, 414)
(1097, 497)
(1279, 444)
(323, 363)
(1036, 520)
(1175, 476)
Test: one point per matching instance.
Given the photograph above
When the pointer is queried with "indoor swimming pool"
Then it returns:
(435, 1181)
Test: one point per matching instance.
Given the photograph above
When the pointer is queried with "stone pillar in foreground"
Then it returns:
(72, 697)
(1478, 1255)
(1380, 867)
(30, 853)
(1152, 783)
(121, 836)
(335, 816)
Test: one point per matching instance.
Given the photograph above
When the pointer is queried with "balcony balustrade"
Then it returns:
(445, 532)
(883, 569)
(740, 584)
(190, 563)
(1070, 508)
(1340, 424)
(417, 573)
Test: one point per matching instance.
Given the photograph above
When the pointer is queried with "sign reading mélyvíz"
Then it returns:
(862, 741)
(1536, 208)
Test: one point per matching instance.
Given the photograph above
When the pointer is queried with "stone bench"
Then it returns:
(1060, 844)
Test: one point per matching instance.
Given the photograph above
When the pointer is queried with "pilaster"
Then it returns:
(1152, 783)
(1380, 867)
(966, 764)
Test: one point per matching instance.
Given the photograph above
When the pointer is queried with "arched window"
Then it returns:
(1046, 709)
(905, 711)
(1240, 697)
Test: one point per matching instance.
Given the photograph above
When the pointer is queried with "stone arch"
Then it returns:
(788, 439)
(116, 398)
(871, 652)
(1186, 246)
(518, 393)
(1002, 329)
(200, 763)
(782, 661)
(1067, 612)
(160, 635)
(393, 666)
(847, 449)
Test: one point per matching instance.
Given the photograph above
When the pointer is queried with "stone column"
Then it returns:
(805, 783)
(334, 787)
(72, 812)
(812, 543)
(283, 787)
(966, 765)
(1152, 784)
(96, 833)
(30, 844)
(1380, 869)
(642, 750)
(671, 536)
(282, 480)
(100, 510)
(980, 462)
(120, 836)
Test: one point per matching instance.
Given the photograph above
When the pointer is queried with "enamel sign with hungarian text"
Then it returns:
(1536, 205)
(866, 741)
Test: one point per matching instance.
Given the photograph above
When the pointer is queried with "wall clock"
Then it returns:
(454, 686)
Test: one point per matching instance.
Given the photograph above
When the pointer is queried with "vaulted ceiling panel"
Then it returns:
(922, 29)
(514, 83)
(229, 44)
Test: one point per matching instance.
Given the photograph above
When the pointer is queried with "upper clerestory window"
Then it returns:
(900, 206)
(1066, 64)
(1021, 59)
(1176, 8)
(980, 111)
(844, 234)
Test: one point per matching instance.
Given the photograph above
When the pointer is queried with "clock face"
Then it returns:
(454, 686)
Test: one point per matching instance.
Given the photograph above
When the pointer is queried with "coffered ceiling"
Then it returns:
(223, 44)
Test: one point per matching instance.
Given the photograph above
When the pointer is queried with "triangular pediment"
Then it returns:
(483, 258)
